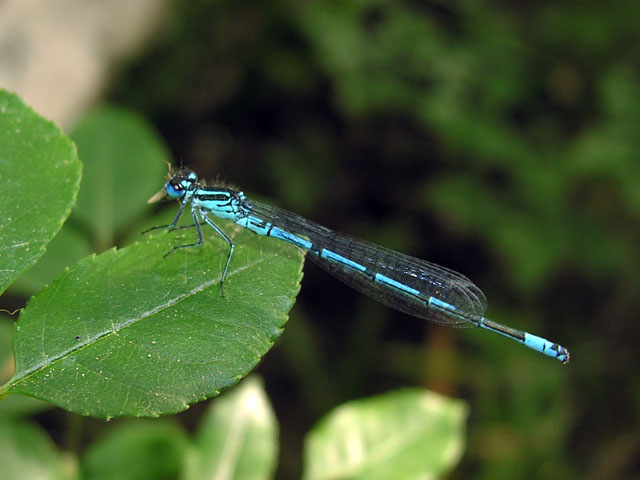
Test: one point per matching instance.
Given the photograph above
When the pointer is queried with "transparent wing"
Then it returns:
(429, 279)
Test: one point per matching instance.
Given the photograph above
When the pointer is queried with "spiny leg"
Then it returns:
(226, 239)
(173, 224)
(185, 226)
(196, 223)
(199, 243)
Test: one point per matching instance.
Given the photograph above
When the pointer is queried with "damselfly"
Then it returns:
(405, 283)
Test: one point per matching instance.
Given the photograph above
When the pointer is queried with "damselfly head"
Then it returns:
(177, 186)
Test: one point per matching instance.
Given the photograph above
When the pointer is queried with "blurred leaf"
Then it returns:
(137, 450)
(26, 453)
(123, 160)
(40, 173)
(529, 246)
(237, 438)
(20, 406)
(132, 333)
(406, 434)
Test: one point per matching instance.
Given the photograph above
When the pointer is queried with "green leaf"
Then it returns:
(238, 437)
(138, 450)
(15, 405)
(40, 173)
(406, 434)
(132, 333)
(27, 453)
(123, 158)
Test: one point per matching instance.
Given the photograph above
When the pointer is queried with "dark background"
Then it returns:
(498, 139)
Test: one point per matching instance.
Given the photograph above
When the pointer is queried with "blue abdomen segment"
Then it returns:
(395, 284)
(332, 256)
(275, 232)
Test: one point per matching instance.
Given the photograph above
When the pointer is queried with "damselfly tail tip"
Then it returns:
(567, 356)
(562, 354)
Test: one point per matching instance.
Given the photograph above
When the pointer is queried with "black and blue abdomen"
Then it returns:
(400, 281)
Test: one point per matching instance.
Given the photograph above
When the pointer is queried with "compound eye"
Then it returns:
(174, 189)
